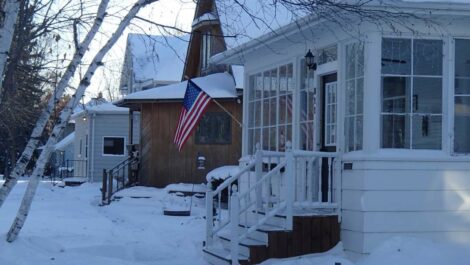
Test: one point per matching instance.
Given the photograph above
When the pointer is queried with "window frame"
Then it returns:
(409, 115)
(116, 155)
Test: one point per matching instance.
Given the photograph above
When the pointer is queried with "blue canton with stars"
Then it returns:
(192, 92)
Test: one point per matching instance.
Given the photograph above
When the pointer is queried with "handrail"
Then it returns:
(233, 178)
(107, 189)
(271, 183)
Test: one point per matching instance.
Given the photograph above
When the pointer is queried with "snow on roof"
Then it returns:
(103, 108)
(62, 145)
(220, 85)
(205, 17)
(238, 72)
(157, 57)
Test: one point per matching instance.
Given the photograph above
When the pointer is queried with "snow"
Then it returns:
(67, 226)
(222, 173)
(157, 57)
(103, 108)
(205, 17)
(62, 145)
(220, 85)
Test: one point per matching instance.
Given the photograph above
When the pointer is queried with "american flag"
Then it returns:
(194, 103)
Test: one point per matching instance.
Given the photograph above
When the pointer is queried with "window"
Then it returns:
(113, 146)
(411, 93)
(326, 55)
(214, 128)
(307, 109)
(354, 96)
(462, 97)
(270, 108)
(205, 50)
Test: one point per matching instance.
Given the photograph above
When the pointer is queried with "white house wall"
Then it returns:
(389, 192)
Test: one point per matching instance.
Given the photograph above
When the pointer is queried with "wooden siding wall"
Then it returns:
(163, 164)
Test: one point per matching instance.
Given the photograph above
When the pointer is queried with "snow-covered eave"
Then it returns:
(135, 103)
(237, 54)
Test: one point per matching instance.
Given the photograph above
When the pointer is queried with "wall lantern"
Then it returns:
(310, 61)
(201, 162)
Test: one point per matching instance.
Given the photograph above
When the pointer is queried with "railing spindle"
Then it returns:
(329, 179)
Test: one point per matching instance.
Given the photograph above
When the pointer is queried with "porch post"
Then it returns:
(290, 179)
(258, 173)
(372, 84)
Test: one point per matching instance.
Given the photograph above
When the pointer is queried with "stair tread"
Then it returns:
(225, 235)
(265, 227)
(222, 253)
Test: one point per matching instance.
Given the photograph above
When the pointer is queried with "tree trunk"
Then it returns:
(63, 119)
(33, 142)
(11, 10)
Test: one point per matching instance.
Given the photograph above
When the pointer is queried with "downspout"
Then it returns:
(92, 147)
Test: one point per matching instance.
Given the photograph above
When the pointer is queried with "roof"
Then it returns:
(103, 108)
(62, 145)
(284, 27)
(157, 57)
(220, 85)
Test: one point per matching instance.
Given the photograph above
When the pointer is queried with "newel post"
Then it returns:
(209, 216)
(258, 173)
(104, 187)
(290, 179)
(110, 185)
(234, 223)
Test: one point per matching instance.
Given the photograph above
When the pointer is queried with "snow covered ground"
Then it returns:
(67, 226)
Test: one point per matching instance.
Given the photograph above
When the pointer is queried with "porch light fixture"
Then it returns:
(310, 61)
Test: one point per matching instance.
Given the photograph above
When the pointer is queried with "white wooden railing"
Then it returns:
(272, 183)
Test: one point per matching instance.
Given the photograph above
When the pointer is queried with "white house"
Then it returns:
(101, 138)
(374, 133)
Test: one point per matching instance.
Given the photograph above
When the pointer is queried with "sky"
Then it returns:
(177, 13)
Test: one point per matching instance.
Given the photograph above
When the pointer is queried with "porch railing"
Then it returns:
(273, 183)
(115, 179)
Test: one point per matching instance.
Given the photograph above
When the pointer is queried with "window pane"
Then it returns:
(257, 113)
(396, 56)
(282, 138)
(113, 146)
(282, 80)
(350, 61)
(251, 114)
(266, 111)
(265, 139)
(267, 84)
(359, 96)
(360, 60)
(214, 128)
(273, 111)
(358, 138)
(350, 97)
(427, 95)
(462, 125)
(272, 139)
(251, 143)
(251, 91)
(427, 57)
(462, 86)
(395, 131)
(462, 58)
(427, 131)
(396, 94)
(289, 108)
(349, 130)
(258, 86)
(282, 110)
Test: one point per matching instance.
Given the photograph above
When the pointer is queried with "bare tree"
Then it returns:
(10, 14)
(63, 119)
(33, 141)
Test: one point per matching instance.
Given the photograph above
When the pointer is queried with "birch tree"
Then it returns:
(33, 141)
(10, 11)
(63, 119)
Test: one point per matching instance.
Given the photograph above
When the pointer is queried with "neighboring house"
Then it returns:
(152, 61)
(374, 136)
(218, 136)
(63, 156)
(101, 138)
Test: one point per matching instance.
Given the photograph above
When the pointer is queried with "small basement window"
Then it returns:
(113, 146)
(214, 128)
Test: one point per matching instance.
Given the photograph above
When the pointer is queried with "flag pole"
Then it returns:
(226, 111)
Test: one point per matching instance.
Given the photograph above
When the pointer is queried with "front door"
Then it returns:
(329, 126)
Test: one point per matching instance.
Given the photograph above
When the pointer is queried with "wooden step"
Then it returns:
(221, 256)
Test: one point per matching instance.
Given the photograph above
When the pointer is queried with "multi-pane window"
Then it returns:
(270, 108)
(354, 96)
(411, 93)
(462, 96)
(113, 146)
(331, 102)
(214, 128)
(307, 108)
